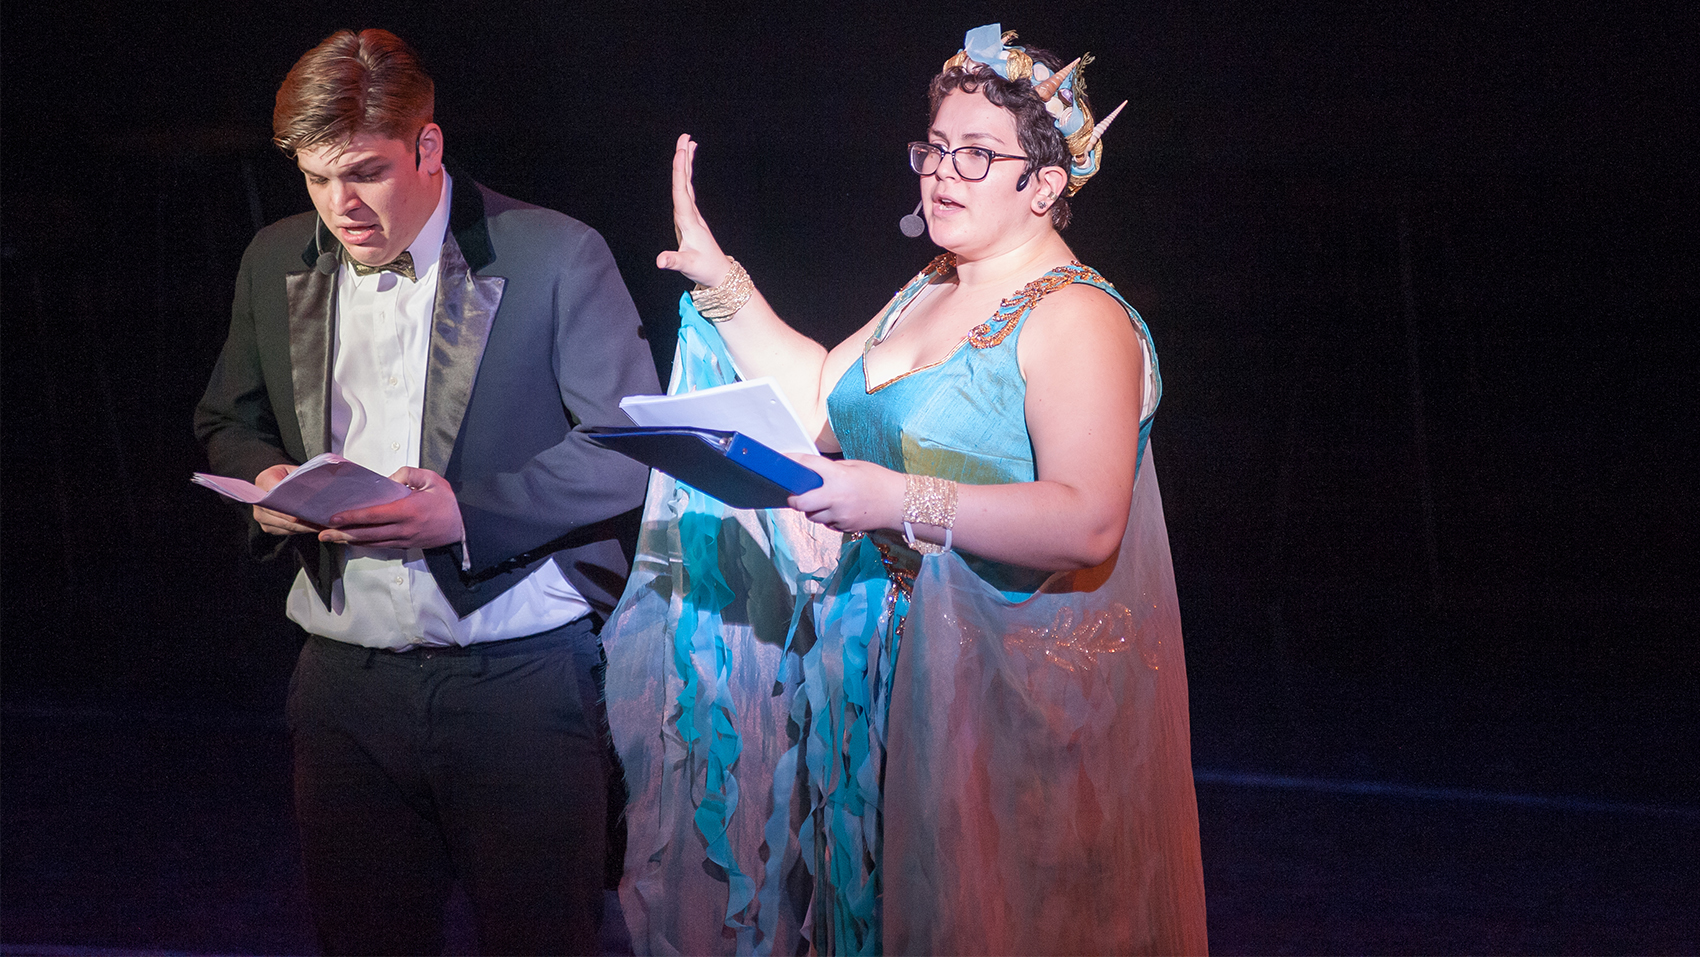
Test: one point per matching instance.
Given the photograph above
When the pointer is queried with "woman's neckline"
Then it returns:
(889, 326)
(937, 272)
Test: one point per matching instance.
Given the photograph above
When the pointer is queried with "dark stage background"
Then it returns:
(1421, 282)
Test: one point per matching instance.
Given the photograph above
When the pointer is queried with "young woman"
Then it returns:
(997, 748)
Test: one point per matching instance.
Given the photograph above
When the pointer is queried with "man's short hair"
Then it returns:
(351, 84)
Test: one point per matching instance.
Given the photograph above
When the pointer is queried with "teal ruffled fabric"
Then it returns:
(702, 682)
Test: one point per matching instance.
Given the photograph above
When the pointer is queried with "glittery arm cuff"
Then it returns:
(929, 501)
(720, 302)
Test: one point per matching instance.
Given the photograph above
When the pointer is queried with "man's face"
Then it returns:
(372, 195)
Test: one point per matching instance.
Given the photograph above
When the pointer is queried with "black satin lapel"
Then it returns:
(312, 308)
(460, 326)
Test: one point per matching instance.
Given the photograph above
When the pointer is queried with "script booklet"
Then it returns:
(323, 486)
(756, 408)
(727, 441)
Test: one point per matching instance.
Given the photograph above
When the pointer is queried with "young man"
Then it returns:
(445, 709)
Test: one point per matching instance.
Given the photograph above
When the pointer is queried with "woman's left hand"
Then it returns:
(854, 496)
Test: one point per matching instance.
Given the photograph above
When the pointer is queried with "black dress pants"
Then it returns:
(485, 764)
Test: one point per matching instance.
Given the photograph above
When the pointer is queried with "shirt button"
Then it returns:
(395, 446)
(400, 580)
(393, 381)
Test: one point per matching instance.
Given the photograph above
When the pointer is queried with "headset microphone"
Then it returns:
(913, 225)
(327, 260)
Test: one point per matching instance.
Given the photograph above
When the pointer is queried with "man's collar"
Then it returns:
(466, 221)
(427, 247)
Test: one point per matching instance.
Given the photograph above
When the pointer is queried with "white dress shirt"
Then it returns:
(386, 597)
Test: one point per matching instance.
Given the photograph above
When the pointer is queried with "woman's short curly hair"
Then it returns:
(1034, 127)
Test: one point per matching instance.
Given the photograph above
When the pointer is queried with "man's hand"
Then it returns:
(427, 518)
(278, 523)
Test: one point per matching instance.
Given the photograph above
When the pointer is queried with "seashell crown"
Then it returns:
(1062, 92)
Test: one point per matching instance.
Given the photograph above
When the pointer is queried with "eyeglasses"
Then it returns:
(972, 162)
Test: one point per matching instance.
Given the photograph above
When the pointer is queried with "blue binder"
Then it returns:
(730, 466)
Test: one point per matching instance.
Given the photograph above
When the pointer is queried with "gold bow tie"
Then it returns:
(402, 264)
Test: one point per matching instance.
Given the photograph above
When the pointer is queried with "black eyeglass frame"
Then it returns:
(919, 149)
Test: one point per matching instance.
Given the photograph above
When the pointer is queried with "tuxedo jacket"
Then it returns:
(534, 338)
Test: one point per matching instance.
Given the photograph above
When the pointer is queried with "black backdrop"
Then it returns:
(1419, 277)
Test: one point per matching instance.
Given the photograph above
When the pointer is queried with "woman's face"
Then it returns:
(974, 219)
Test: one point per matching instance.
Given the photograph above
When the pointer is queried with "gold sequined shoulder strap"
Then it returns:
(1011, 311)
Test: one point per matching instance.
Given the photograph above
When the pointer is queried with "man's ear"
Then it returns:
(429, 149)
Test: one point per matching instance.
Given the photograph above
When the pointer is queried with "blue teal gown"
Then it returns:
(974, 757)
